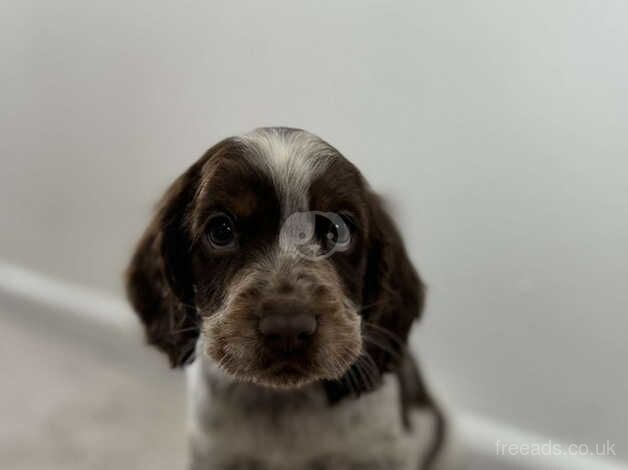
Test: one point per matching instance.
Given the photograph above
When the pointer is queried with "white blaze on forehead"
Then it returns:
(292, 158)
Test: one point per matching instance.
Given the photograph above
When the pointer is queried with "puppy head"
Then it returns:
(273, 249)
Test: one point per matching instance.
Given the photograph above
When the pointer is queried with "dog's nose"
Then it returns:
(287, 327)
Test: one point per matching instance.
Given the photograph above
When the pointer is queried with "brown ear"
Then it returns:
(392, 298)
(159, 283)
(393, 294)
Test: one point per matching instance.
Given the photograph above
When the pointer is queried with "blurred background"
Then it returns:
(498, 129)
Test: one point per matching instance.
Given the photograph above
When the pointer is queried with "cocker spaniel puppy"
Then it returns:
(273, 271)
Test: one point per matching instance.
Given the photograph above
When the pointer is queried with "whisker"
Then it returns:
(364, 382)
(372, 304)
(184, 330)
(369, 362)
(396, 354)
(366, 373)
(352, 382)
(385, 331)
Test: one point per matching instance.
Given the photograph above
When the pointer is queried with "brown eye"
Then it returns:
(342, 231)
(221, 232)
(333, 231)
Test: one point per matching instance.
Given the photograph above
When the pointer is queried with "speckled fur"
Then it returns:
(237, 420)
(243, 426)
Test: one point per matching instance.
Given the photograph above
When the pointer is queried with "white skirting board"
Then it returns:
(481, 435)
(66, 298)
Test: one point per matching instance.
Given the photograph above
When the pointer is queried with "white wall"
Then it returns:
(499, 128)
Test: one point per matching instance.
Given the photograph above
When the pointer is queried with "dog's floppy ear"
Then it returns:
(159, 283)
(393, 295)
(392, 298)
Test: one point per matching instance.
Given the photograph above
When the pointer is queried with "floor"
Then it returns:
(78, 396)
(64, 406)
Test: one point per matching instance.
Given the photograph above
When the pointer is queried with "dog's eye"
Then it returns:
(221, 232)
(333, 231)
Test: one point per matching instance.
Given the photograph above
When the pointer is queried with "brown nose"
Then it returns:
(287, 327)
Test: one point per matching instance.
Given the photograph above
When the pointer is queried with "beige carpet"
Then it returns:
(64, 405)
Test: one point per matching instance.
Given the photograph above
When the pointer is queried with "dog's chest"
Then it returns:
(241, 427)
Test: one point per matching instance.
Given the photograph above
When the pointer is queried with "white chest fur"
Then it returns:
(241, 426)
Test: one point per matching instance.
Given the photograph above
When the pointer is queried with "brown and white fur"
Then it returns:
(221, 263)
